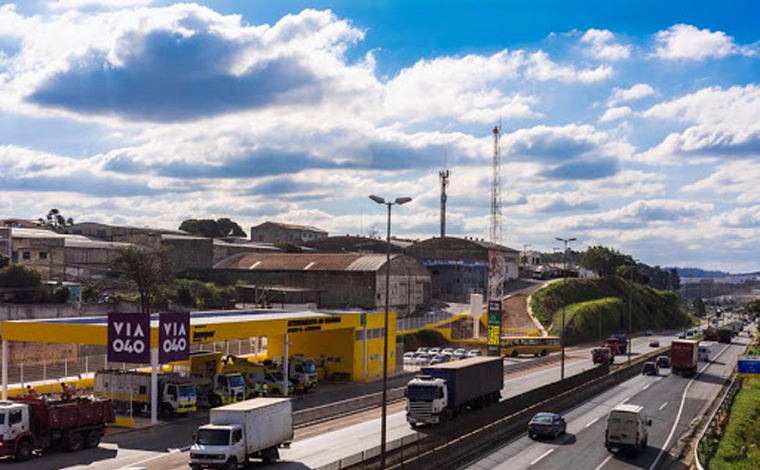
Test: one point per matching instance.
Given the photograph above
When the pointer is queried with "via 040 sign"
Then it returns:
(129, 337)
(173, 337)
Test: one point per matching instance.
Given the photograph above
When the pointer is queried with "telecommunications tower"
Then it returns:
(444, 177)
(495, 271)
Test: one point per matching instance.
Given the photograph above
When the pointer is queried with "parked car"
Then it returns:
(420, 358)
(475, 353)
(649, 333)
(650, 368)
(408, 357)
(460, 354)
(423, 350)
(654, 344)
(449, 351)
(546, 425)
(663, 361)
(440, 359)
(434, 351)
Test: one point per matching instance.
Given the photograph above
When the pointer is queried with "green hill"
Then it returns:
(587, 301)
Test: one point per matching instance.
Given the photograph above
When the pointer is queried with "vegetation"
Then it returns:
(604, 261)
(55, 220)
(289, 247)
(429, 338)
(147, 270)
(585, 300)
(24, 283)
(700, 309)
(212, 228)
(739, 448)
(754, 307)
(4, 261)
(204, 295)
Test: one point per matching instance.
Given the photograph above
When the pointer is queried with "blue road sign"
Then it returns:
(748, 367)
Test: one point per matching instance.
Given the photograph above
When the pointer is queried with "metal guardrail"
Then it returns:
(709, 439)
(416, 323)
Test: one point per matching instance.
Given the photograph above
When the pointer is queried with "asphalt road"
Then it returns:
(671, 401)
(159, 448)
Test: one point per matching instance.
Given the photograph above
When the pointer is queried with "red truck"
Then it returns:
(684, 357)
(29, 424)
(618, 343)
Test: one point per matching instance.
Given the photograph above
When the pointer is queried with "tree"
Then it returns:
(147, 270)
(24, 282)
(603, 261)
(635, 272)
(4, 261)
(699, 307)
(55, 220)
(211, 228)
(289, 247)
(754, 307)
(674, 280)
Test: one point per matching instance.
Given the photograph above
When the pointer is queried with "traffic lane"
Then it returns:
(583, 446)
(524, 452)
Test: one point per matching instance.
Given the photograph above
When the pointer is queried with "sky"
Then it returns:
(631, 124)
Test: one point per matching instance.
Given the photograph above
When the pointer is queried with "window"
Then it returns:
(237, 436)
(43, 254)
(26, 256)
(15, 417)
(143, 390)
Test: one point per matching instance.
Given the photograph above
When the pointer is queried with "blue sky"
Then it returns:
(632, 124)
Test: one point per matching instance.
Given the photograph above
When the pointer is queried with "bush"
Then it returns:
(198, 294)
(24, 283)
(61, 295)
(90, 292)
(739, 448)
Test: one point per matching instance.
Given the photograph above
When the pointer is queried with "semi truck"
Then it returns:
(213, 386)
(711, 333)
(446, 390)
(29, 424)
(618, 343)
(725, 335)
(246, 430)
(684, 357)
(176, 395)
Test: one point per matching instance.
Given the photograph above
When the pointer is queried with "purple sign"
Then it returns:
(173, 337)
(129, 337)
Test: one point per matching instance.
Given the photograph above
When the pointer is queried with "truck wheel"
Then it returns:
(544, 352)
(166, 411)
(24, 451)
(232, 464)
(215, 401)
(92, 440)
(75, 442)
(270, 455)
(514, 353)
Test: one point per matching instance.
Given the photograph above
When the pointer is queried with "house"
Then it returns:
(277, 232)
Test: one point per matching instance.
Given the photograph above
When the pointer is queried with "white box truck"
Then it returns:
(249, 429)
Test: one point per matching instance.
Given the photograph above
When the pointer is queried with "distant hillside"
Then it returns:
(698, 272)
(588, 299)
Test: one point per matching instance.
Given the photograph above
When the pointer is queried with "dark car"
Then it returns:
(654, 344)
(650, 368)
(546, 425)
(663, 361)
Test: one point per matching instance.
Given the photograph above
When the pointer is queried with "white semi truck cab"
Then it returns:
(426, 399)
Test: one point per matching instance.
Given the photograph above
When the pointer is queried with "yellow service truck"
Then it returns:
(257, 375)
(131, 389)
(215, 386)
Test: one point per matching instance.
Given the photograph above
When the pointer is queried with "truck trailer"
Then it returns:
(176, 395)
(684, 357)
(446, 390)
(32, 424)
(241, 431)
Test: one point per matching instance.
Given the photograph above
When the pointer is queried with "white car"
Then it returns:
(475, 353)
(408, 357)
(449, 351)
(434, 351)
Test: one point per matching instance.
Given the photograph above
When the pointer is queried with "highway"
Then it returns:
(160, 448)
(671, 401)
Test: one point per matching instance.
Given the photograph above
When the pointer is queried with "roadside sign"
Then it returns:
(748, 367)
(364, 319)
(173, 337)
(129, 337)
(494, 327)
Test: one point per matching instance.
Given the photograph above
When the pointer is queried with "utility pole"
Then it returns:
(564, 284)
(444, 178)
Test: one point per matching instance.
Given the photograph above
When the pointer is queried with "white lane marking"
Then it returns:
(646, 386)
(542, 456)
(609, 457)
(659, 379)
(680, 410)
(623, 402)
(592, 422)
(663, 405)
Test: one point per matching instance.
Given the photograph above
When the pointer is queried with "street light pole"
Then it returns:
(384, 414)
(630, 309)
(562, 327)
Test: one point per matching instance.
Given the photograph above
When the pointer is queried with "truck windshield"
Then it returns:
(213, 437)
(309, 367)
(417, 393)
(236, 381)
(187, 391)
(2, 419)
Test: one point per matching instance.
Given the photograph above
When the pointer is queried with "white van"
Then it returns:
(704, 353)
(627, 429)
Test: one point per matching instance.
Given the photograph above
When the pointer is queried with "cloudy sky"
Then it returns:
(627, 123)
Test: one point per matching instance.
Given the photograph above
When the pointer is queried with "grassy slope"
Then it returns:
(739, 446)
(587, 299)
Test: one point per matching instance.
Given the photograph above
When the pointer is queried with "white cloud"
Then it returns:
(683, 41)
(600, 43)
(640, 213)
(101, 4)
(738, 178)
(726, 123)
(541, 67)
(636, 92)
(612, 114)
(743, 217)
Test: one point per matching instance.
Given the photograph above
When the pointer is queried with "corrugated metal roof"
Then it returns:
(303, 262)
(309, 228)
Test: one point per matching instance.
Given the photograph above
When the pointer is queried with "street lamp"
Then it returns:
(562, 328)
(634, 263)
(383, 420)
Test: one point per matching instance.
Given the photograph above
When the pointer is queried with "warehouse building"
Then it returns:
(342, 280)
(460, 266)
(356, 244)
(277, 232)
